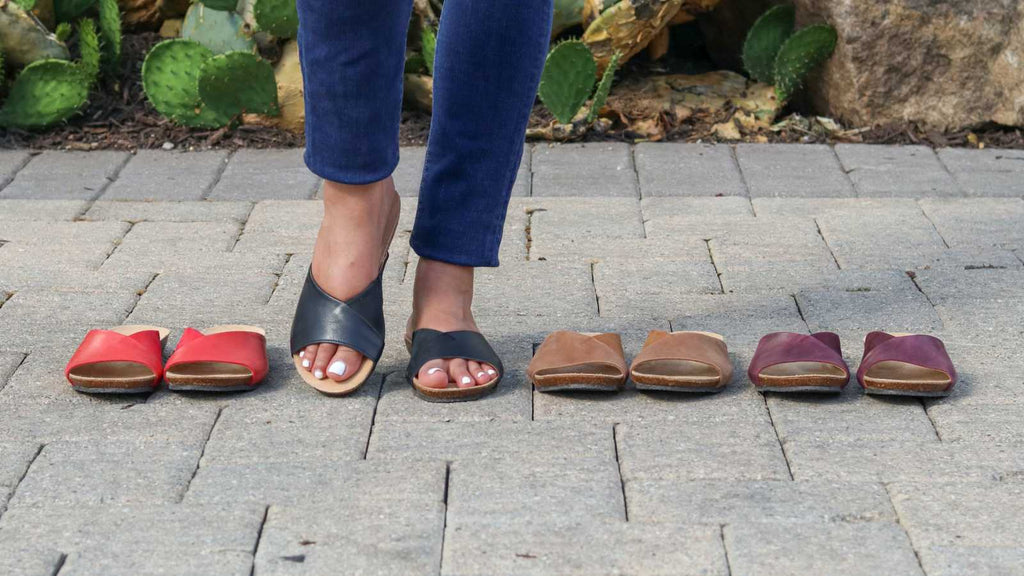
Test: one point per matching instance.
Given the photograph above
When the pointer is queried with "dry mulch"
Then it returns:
(119, 117)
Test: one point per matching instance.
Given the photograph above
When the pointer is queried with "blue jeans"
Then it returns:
(489, 57)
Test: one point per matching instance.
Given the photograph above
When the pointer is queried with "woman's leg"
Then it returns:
(490, 54)
(353, 56)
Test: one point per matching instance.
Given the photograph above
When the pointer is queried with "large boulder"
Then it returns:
(945, 64)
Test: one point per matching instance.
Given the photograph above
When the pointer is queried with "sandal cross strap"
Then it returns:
(906, 364)
(121, 360)
(793, 362)
(356, 323)
(221, 359)
(569, 360)
(427, 344)
(682, 362)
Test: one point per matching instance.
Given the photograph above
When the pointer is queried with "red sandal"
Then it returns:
(221, 359)
(121, 360)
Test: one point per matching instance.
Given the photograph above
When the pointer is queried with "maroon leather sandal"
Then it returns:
(792, 362)
(906, 365)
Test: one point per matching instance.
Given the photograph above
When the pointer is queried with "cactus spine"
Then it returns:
(764, 40)
(238, 82)
(568, 79)
(802, 53)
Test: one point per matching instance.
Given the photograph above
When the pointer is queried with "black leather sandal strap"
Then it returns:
(430, 345)
(357, 323)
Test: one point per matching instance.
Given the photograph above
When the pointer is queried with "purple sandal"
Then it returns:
(792, 362)
(906, 365)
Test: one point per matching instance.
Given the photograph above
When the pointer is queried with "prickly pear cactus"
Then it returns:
(170, 77)
(63, 31)
(568, 79)
(89, 46)
(764, 40)
(225, 5)
(68, 10)
(218, 30)
(110, 30)
(429, 42)
(277, 17)
(238, 82)
(804, 51)
(45, 93)
(604, 87)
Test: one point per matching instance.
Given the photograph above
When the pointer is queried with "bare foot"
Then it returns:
(353, 237)
(442, 300)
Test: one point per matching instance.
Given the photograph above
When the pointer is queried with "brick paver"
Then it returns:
(600, 237)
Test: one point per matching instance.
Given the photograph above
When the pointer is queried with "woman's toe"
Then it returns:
(460, 373)
(433, 374)
(307, 356)
(324, 353)
(477, 372)
(343, 364)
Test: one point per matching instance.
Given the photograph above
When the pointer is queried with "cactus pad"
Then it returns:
(89, 46)
(110, 31)
(764, 40)
(604, 87)
(803, 52)
(568, 79)
(429, 42)
(223, 5)
(277, 17)
(170, 77)
(218, 30)
(45, 93)
(238, 82)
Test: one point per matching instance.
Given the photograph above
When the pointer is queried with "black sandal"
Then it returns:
(356, 323)
(426, 345)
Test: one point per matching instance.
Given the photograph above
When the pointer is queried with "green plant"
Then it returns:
(26, 4)
(110, 30)
(89, 47)
(277, 17)
(764, 40)
(45, 93)
(429, 42)
(170, 78)
(63, 31)
(803, 52)
(218, 30)
(603, 88)
(568, 79)
(774, 54)
(238, 82)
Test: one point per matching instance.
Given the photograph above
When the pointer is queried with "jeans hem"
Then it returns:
(346, 177)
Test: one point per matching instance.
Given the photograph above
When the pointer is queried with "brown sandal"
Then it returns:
(578, 361)
(682, 362)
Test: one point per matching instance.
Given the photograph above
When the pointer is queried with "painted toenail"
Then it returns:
(305, 363)
(319, 374)
(301, 354)
(338, 367)
(433, 371)
(467, 380)
(480, 374)
(491, 372)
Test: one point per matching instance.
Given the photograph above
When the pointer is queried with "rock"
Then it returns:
(23, 39)
(947, 64)
(288, 74)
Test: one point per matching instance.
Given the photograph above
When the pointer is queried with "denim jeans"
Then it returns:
(489, 57)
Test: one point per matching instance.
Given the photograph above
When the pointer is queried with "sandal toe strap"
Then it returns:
(430, 345)
(356, 323)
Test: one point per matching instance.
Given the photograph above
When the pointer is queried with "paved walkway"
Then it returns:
(741, 240)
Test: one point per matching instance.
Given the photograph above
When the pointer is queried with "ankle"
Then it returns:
(348, 197)
(442, 296)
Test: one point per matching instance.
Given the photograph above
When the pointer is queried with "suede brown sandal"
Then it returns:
(898, 364)
(682, 362)
(794, 362)
(574, 361)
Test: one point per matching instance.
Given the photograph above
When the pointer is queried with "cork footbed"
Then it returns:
(677, 374)
(118, 377)
(330, 387)
(803, 377)
(452, 393)
(212, 376)
(894, 377)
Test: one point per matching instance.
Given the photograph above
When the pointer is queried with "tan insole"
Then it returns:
(123, 375)
(895, 375)
(677, 370)
(214, 374)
